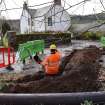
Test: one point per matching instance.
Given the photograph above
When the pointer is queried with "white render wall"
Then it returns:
(61, 21)
(39, 24)
(25, 22)
(39, 19)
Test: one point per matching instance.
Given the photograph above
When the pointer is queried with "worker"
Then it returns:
(51, 63)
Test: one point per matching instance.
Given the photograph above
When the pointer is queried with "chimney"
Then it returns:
(57, 2)
(25, 6)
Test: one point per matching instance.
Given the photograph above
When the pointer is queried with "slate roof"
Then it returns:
(39, 11)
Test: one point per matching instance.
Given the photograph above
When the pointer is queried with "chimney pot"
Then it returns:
(57, 2)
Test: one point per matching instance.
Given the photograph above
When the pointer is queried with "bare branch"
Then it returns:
(102, 4)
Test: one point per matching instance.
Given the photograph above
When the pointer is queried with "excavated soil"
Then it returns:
(81, 71)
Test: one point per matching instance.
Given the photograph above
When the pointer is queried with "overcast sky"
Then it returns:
(89, 7)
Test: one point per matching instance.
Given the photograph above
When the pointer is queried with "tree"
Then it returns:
(5, 27)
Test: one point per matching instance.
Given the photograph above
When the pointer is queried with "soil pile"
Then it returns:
(81, 71)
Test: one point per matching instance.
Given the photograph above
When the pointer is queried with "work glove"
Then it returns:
(37, 59)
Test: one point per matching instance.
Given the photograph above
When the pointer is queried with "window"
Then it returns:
(50, 21)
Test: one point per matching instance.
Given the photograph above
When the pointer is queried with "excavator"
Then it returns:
(30, 49)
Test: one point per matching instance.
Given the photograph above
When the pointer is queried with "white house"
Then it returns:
(50, 18)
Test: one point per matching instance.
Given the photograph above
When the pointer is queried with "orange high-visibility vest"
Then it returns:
(51, 63)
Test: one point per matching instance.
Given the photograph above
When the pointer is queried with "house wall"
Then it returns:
(61, 21)
(39, 24)
(25, 22)
(39, 19)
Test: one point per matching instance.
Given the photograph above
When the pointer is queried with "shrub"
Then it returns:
(87, 35)
(92, 35)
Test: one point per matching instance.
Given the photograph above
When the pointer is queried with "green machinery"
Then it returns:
(30, 48)
(103, 41)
